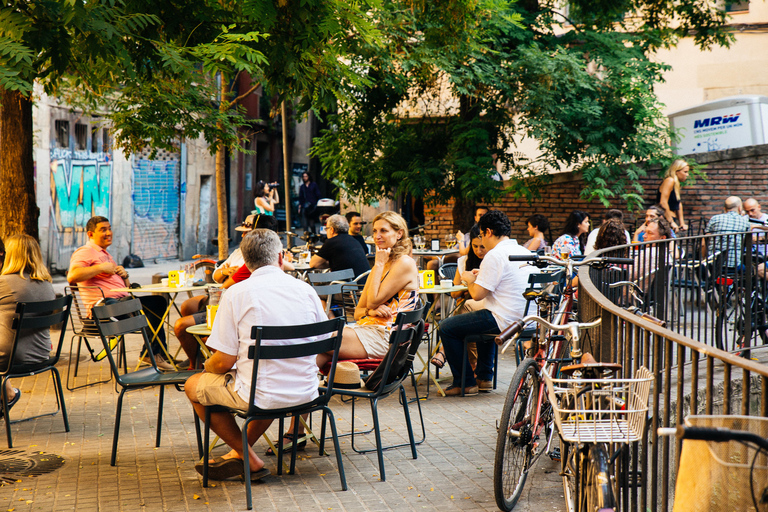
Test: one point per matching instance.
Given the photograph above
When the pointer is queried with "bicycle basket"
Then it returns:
(718, 476)
(600, 410)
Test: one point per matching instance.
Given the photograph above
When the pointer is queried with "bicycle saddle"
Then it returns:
(589, 363)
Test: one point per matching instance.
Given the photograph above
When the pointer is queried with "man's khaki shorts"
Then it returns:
(219, 389)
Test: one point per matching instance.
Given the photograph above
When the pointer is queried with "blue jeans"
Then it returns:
(454, 329)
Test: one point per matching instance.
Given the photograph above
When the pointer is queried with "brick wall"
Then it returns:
(740, 172)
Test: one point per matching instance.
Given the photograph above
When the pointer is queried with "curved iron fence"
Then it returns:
(710, 292)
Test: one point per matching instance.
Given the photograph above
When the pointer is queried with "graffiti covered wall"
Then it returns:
(156, 208)
(80, 186)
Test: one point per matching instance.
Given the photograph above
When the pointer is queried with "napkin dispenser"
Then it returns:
(426, 279)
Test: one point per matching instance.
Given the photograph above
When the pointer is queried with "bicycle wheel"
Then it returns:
(596, 493)
(733, 318)
(514, 444)
(569, 476)
(204, 270)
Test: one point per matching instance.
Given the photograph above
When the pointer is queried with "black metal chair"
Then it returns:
(292, 351)
(448, 271)
(84, 327)
(130, 319)
(408, 328)
(35, 316)
(328, 284)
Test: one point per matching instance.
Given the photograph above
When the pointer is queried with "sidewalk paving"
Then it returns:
(453, 471)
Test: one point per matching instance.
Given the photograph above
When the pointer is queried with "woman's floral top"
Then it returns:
(566, 244)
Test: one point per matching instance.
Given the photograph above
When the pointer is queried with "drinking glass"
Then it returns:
(418, 242)
(450, 240)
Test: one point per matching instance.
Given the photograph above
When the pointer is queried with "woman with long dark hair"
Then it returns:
(266, 198)
(469, 262)
(571, 243)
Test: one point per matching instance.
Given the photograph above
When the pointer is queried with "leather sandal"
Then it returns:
(288, 436)
(439, 359)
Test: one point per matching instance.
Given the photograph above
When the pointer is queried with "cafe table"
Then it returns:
(171, 292)
(434, 333)
(199, 332)
(440, 255)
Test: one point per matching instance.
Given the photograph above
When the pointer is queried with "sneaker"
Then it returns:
(486, 386)
(161, 363)
(456, 391)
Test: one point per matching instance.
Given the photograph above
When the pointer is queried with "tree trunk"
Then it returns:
(463, 215)
(18, 204)
(221, 185)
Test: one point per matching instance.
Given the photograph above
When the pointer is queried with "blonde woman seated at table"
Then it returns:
(392, 286)
(24, 279)
(469, 262)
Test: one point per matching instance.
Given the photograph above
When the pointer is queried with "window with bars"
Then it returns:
(81, 136)
(62, 133)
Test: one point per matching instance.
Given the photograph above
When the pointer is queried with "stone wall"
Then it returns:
(741, 172)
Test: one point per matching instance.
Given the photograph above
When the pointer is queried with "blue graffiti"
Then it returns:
(156, 190)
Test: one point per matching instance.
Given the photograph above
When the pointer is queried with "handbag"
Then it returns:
(401, 363)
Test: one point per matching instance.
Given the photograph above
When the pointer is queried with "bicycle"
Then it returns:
(713, 472)
(527, 412)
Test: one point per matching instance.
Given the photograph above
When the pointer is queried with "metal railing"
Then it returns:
(708, 291)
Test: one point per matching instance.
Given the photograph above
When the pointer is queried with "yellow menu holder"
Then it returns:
(176, 278)
(426, 279)
(210, 315)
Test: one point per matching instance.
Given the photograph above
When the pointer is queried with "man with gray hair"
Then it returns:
(731, 221)
(340, 251)
(268, 297)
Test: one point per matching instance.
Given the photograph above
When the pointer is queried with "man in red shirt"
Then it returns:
(92, 265)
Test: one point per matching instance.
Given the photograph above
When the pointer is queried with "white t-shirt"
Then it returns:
(234, 260)
(592, 238)
(506, 281)
(268, 297)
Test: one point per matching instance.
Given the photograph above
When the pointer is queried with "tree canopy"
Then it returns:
(158, 69)
(459, 84)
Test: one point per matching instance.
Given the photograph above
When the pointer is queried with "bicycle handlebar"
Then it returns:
(716, 434)
(600, 260)
(518, 325)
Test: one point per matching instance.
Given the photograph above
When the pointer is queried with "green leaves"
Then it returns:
(455, 86)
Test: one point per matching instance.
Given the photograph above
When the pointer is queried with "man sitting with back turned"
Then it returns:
(724, 223)
(268, 297)
(340, 251)
(92, 265)
(500, 283)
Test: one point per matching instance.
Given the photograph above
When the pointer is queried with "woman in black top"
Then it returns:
(668, 195)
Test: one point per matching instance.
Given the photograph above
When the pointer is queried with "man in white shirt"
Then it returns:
(759, 239)
(267, 297)
(500, 284)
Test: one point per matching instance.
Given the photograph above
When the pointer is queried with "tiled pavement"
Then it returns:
(453, 470)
